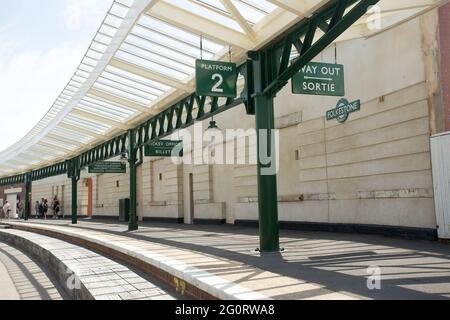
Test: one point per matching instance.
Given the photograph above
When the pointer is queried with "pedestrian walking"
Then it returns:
(36, 210)
(45, 208)
(56, 207)
(41, 209)
(7, 209)
(20, 209)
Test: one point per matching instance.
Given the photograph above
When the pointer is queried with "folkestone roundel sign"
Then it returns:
(343, 110)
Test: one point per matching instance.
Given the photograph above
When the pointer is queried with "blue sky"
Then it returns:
(41, 44)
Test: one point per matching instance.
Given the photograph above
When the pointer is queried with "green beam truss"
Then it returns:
(266, 72)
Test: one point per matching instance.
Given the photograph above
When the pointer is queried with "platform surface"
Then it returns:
(103, 278)
(22, 278)
(221, 260)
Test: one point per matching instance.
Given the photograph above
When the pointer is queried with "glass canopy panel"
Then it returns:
(167, 41)
(103, 39)
(94, 55)
(70, 134)
(157, 58)
(107, 30)
(109, 114)
(215, 4)
(203, 11)
(150, 65)
(138, 79)
(113, 21)
(161, 50)
(28, 161)
(126, 88)
(165, 49)
(130, 83)
(38, 155)
(90, 62)
(114, 90)
(254, 10)
(88, 125)
(99, 47)
(122, 113)
(120, 8)
(49, 153)
(178, 33)
(61, 145)
(90, 100)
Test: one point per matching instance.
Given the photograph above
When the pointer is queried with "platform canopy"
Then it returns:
(143, 56)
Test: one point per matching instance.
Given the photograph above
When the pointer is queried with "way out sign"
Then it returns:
(322, 79)
(216, 79)
(164, 148)
(108, 167)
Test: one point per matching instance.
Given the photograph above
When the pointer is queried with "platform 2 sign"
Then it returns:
(108, 167)
(216, 79)
(164, 148)
(343, 110)
(322, 79)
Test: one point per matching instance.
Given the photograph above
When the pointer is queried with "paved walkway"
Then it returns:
(21, 278)
(102, 278)
(315, 265)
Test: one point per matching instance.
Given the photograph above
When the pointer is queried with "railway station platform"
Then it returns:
(220, 262)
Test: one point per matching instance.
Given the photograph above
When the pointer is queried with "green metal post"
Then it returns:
(74, 172)
(132, 155)
(27, 196)
(267, 174)
(267, 181)
(74, 199)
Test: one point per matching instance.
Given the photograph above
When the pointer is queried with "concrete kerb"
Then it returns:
(56, 266)
(197, 283)
(84, 274)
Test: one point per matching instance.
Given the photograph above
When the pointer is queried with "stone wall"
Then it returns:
(374, 169)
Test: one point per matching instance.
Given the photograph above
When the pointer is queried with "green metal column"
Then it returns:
(132, 159)
(267, 177)
(27, 183)
(74, 199)
(267, 174)
(74, 173)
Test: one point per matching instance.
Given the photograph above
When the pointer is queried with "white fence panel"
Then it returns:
(440, 154)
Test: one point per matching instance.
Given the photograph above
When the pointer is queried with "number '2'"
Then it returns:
(217, 87)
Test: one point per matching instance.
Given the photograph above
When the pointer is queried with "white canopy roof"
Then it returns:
(142, 59)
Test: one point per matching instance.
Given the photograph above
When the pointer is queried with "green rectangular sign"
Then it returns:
(164, 148)
(108, 167)
(216, 78)
(322, 79)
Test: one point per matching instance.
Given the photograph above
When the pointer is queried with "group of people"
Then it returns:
(7, 209)
(41, 208)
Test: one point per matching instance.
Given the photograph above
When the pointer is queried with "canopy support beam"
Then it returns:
(132, 159)
(27, 185)
(74, 173)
